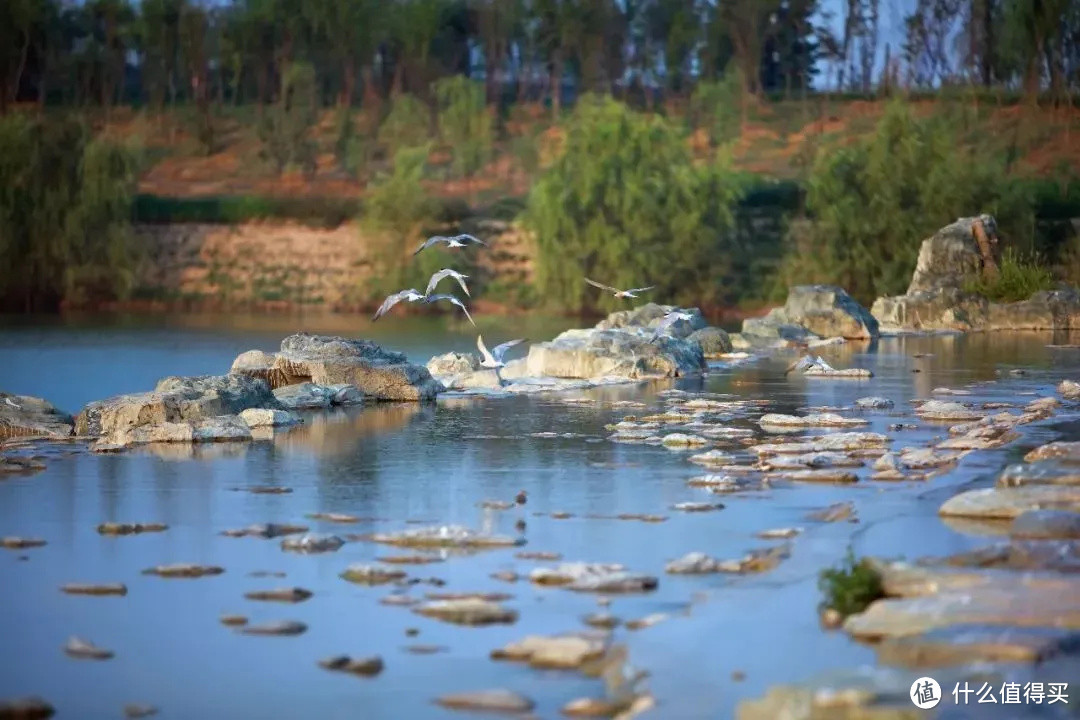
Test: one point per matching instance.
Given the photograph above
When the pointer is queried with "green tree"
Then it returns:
(464, 122)
(406, 125)
(625, 205)
(715, 106)
(286, 129)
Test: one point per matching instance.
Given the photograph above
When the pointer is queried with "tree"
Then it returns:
(464, 122)
(285, 131)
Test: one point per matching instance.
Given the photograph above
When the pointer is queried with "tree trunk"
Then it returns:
(348, 84)
(556, 84)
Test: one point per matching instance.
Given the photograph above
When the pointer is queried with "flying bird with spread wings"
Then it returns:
(670, 319)
(631, 293)
(454, 241)
(494, 359)
(445, 273)
(410, 295)
(428, 299)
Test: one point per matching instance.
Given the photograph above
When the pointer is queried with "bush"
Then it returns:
(850, 587)
(715, 107)
(624, 205)
(65, 210)
(872, 203)
(1018, 278)
(286, 126)
(406, 126)
(397, 200)
(464, 122)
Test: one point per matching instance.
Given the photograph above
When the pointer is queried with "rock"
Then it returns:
(491, 701)
(379, 374)
(467, 611)
(183, 570)
(605, 621)
(267, 530)
(952, 255)
(964, 644)
(714, 458)
(1062, 451)
(771, 330)
(20, 543)
(819, 461)
(537, 555)
(445, 536)
(505, 576)
(824, 475)
(254, 363)
(885, 468)
(312, 543)
(366, 666)
(345, 394)
(279, 627)
(1046, 524)
(554, 652)
(593, 577)
(334, 517)
(372, 574)
(683, 440)
(304, 396)
(983, 437)
(135, 710)
(27, 708)
(425, 649)
(1020, 554)
(85, 650)
(233, 620)
(113, 528)
(264, 417)
(1069, 389)
(648, 317)
(694, 563)
(595, 353)
(811, 420)
(694, 507)
(1006, 503)
(398, 600)
(874, 403)
(926, 458)
(835, 442)
(714, 342)
(834, 513)
(25, 416)
(15, 465)
(292, 595)
(453, 363)
(827, 311)
(720, 483)
(780, 533)
(410, 559)
(88, 589)
(947, 411)
(594, 707)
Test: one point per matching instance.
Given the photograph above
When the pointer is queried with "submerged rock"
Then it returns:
(555, 652)
(965, 644)
(452, 536)
(490, 701)
(366, 666)
(834, 513)
(85, 650)
(312, 543)
(683, 440)
(372, 574)
(184, 570)
(811, 420)
(20, 543)
(1063, 451)
(25, 416)
(267, 530)
(15, 465)
(279, 627)
(27, 708)
(114, 528)
(90, 589)
(694, 507)
(945, 410)
(822, 475)
(467, 611)
(694, 563)
(594, 577)
(1006, 503)
(266, 417)
(838, 442)
(714, 458)
(292, 595)
(874, 403)
(135, 710)
(1046, 524)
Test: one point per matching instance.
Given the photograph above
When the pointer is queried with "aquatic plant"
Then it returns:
(1017, 279)
(850, 587)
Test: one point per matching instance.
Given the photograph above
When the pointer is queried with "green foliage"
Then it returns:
(65, 208)
(873, 202)
(286, 127)
(464, 122)
(625, 205)
(351, 149)
(1018, 278)
(397, 200)
(716, 106)
(850, 587)
(406, 126)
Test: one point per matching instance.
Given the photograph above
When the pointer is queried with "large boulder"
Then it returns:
(955, 254)
(814, 311)
(174, 400)
(649, 316)
(22, 415)
(596, 353)
(713, 341)
(325, 360)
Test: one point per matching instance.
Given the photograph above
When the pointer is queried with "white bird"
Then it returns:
(15, 405)
(455, 241)
(806, 362)
(450, 298)
(410, 295)
(494, 358)
(670, 319)
(631, 293)
(445, 273)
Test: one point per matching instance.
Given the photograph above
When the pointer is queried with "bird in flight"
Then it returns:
(670, 319)
(428, 299)
(631, 293)
(454, 241)
(410, 295)
(494, 358)
(445, 273)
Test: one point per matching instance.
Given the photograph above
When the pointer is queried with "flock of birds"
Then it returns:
(495, 358)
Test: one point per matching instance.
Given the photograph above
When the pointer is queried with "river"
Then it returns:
(400, 464)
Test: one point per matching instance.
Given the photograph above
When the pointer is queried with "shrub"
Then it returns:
(715, 106)
(873, 202)
(624, 204)
(464, 122)
(406, 126)
(397, 200)
(850, 587)
(286, 126)
(1018, 278)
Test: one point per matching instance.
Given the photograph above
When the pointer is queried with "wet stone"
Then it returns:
(696, 507)
(756, 561)
(291, 595)
(268, 490)
(1069, 389)
(233, 620)
(646, 622)
(811, 420)
(779, 533)
(27, 708)
(425, 649)
(410, 559)
(694, 563)
(90, 589)
(85, 650)
(714, 458)
(964, 644)
(720, 483)
(489, 701)
(1046, 524)
(594, 577)
(554, 652)
(1006, 503)
(136, 710)
(873, 403)
(184, 570)
(605, 621)
(827, 475)
(334, 517)
(1055, 555)
(20, 543)
(538, 555)
(112, 528)
(812, 460)
(15, 465)
(1041, 472)
(372, 574)
(940, 410)
(312, 543)
(267, 530)
(366, 666)
(836, 512)
(505, 576)
(446, 536)
(468, 611)
(489, 596)
(925, 459)
(683, 440)
(278, 627)
(1065, 451)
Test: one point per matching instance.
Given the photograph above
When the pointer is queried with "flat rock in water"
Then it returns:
(292, 595)
(780, 533)
(985, 437)
(683, 440)
(811, 420)
(964, 644)
(266, 417)
(594, 577)
(1046, 524)
(184, 570)
(89, 589)
(556, 651)
(135, 710)
(312, 543)
(367, 666)
(538, 555)
(27, 708)
(372, 574)
(1006, 503)
(926, 458)
(1050, 555)
(453, 536)
(304, 396)
(942, 410)
(233, 620)
(719, 483)
(833, 513)
(267, 530)
(85, 650)
(20, 543)
(334, 517)
(1065, 451)
(113, 528)
(25, 416)
(468, 611)
(874, 403)
(697, 506)
(491, 701)
(694, 563)
(756, 561)
(410, 559)
(716, 458)
(1041, 472)
(1069, 389)
(279, 627)
(836, 442)
(15, 465)
(811, 460)
(836, 477)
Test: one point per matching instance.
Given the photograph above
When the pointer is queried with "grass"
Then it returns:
(850, 587)
(1018, 279)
